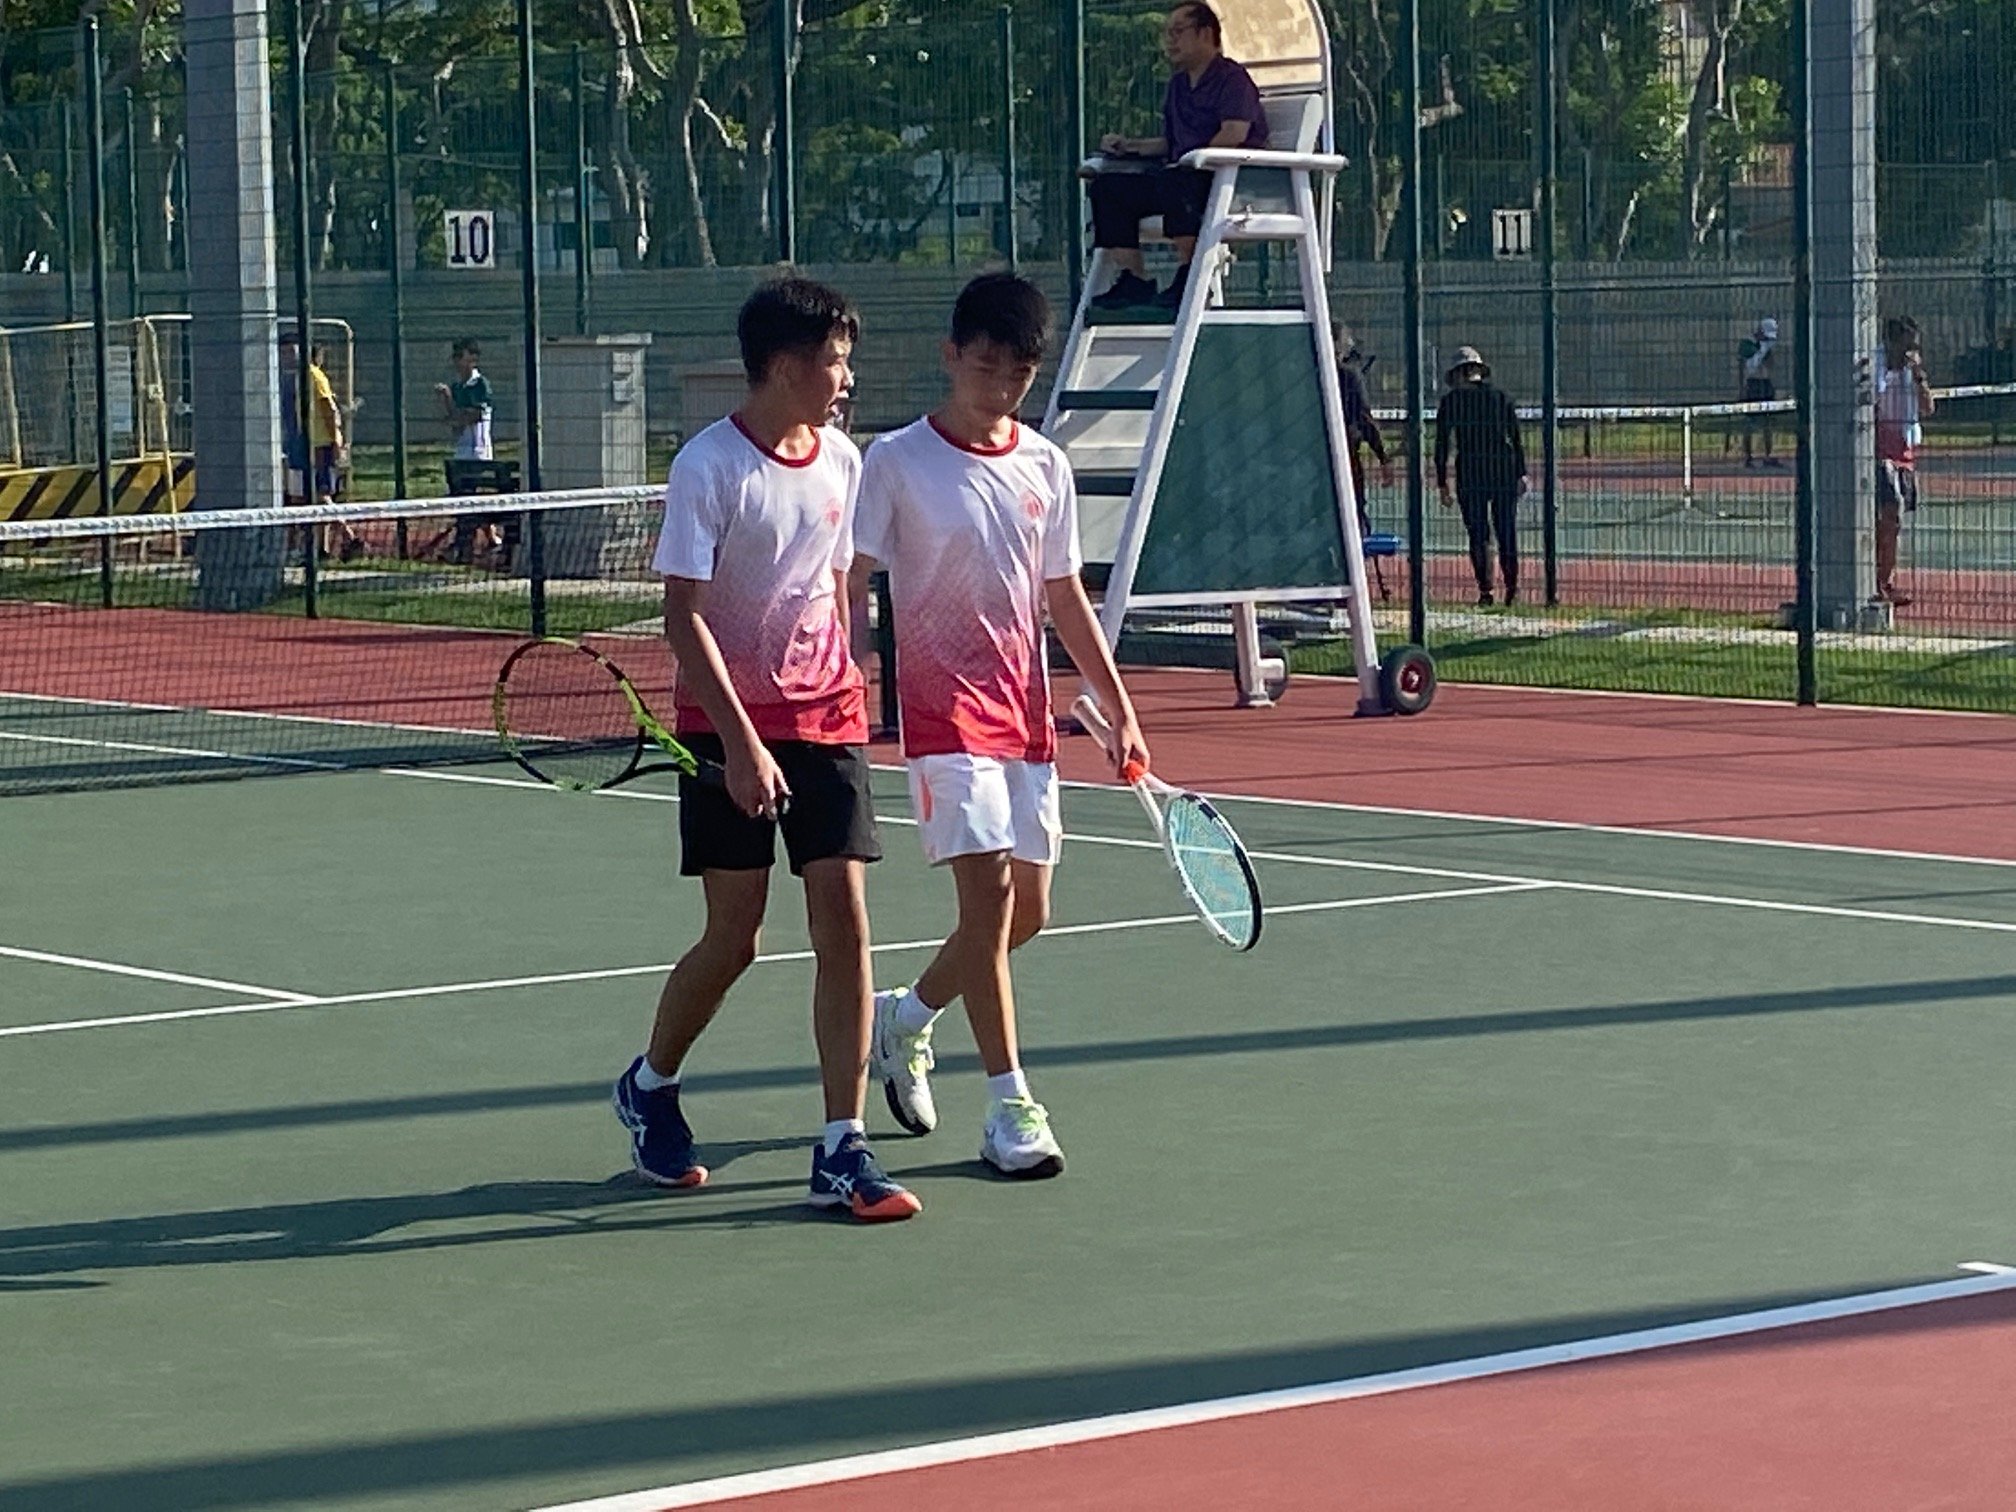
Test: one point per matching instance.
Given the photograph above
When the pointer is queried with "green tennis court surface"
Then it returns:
(373, 1244)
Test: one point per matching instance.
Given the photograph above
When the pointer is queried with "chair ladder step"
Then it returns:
(1108, 399)
(1106, 485)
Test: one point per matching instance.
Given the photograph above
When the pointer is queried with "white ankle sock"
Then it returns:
(650, 1081)
(1008, 1084)
(913, 1013)
(838, 1130)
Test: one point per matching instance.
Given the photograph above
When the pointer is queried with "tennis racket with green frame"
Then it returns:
(569, 716)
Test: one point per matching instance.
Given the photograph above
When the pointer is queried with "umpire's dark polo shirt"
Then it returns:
(1192, 113)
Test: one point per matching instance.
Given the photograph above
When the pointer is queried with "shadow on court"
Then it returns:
(628, 1449)
(1919, 994)
(367, 1226)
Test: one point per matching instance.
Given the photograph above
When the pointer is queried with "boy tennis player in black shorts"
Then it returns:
(977, 520)
(758, 536)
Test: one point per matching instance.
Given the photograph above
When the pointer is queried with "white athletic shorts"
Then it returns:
(978, 805)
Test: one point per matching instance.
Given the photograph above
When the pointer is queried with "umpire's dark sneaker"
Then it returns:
(851, 1177)
(661, 1141)
(1129, 291)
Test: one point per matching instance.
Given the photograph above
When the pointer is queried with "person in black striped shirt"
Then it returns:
(1480, 424)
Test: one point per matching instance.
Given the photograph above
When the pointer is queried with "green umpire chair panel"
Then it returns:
(1247, 499)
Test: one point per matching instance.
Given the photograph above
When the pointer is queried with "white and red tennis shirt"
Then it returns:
(766, 535)
(969, 537)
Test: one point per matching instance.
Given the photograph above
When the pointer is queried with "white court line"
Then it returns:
(116, 968)
(200, 754)
(1123, 1424)
(455, 989)
(1988, 1268)
(1456, 816)
(1511, 881)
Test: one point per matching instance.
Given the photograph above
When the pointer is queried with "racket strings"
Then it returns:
(1212, 867)
(567, 716)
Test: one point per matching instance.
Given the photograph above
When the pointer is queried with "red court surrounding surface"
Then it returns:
(1905, 1408)
(1889, 779)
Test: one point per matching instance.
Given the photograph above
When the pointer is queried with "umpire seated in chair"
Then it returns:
(1211, 102)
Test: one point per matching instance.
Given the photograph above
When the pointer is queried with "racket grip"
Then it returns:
(1132, 772)
(1089, 715)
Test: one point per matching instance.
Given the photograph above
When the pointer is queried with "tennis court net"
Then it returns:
(178, 648)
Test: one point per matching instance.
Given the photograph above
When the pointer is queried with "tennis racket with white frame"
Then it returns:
(1202, 848)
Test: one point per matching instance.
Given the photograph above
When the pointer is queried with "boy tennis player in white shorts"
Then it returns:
(977, 521)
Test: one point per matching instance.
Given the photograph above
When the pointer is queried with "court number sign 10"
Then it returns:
(472, 238)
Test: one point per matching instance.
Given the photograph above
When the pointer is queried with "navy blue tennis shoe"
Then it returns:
(851, 1177)
(661, 1141)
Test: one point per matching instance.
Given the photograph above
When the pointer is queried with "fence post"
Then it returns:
(1417, 460)
(1074, 142)
(1805, 518)
(304, 326)
(584, 220)
(1550, 325)
(101, 357)
(528, 210)
(784, 23)
(67, 191)
(132, 209)
(1011, 240)
(395, 248)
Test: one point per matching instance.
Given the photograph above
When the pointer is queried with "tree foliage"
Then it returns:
(1668, 108)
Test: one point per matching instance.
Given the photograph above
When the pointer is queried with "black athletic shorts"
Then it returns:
(1896, 487)
(830, 814)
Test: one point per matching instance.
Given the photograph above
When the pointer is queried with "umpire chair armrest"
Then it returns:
(1099, 165)
(1210, 159)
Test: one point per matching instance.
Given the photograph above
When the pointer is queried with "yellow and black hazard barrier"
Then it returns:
(141, 486)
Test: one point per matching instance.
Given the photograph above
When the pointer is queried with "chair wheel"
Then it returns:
(1407, 680)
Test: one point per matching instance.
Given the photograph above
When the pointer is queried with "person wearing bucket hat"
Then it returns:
(1754, 356)
(1479, 423)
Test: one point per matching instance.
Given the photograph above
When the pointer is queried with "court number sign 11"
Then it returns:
(1511, 234)
(472, 238)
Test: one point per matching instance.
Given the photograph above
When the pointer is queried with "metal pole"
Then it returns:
(304, 388)
(1728, 214)
(1805, 517)
(67, 192)
(784, 23)
(1011, 241)
(528, 210)
(101, 356)
(584, 223)
(891, 712)
(1550, 325)
(132, 211)
(1417, 459)
(1074, 142)
(395, 261)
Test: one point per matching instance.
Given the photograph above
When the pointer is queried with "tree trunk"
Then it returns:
(325, 34)
(684, 238)
(155, 169)
(626, 182)
(1719, 17)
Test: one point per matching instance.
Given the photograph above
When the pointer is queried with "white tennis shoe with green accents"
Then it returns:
(1017, 1140)
(901, 1059)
